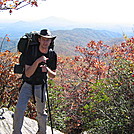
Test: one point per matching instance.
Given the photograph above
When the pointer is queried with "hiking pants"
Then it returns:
(24, 96)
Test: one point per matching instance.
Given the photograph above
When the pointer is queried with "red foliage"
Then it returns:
(77, 76)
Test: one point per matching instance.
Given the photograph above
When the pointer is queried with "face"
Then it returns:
(44, 42)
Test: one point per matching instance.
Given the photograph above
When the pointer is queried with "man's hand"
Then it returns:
(42, 59)
(44, 69)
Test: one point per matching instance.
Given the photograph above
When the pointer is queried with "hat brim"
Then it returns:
(49, 37)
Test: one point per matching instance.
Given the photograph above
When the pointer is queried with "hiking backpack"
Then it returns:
(29, 39)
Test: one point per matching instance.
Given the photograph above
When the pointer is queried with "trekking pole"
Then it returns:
(49, 109)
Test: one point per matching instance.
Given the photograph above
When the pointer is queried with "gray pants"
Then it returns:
(25, 94)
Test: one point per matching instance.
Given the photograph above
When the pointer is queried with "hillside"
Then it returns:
(11, 45)
(67, 40)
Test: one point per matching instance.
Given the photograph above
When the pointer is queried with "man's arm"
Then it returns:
(51, 73)
(29, 70)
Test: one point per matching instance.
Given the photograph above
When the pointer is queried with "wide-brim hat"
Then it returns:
(47, 34)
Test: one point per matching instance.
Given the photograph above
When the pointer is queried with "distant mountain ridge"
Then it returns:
(17, 29)
(67, 40)
(69, 34)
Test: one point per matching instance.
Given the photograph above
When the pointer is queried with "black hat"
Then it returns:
(47, 34)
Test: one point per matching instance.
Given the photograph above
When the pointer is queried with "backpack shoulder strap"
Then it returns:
(34, 51)
(51, 53)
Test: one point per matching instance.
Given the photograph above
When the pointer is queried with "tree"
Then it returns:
(16, 4)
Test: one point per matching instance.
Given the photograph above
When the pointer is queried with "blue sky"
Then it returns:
(91, 11)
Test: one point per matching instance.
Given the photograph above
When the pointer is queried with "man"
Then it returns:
(38, 65)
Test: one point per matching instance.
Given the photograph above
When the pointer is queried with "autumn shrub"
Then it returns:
(96, 89)
(10, 83)
(114, 112)
(75, 78)
(120, 87)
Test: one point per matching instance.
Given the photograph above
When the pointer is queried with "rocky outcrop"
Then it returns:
(29, 125)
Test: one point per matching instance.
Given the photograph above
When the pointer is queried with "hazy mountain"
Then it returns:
(67, 40)
(17, 29)
(69, 34)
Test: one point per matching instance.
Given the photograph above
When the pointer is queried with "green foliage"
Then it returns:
(99, 92)
(57, 101)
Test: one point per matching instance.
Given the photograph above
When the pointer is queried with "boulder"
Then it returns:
(29, 125)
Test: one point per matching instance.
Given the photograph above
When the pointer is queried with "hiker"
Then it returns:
(37, 68)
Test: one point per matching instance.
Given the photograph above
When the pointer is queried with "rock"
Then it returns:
(29, 125)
